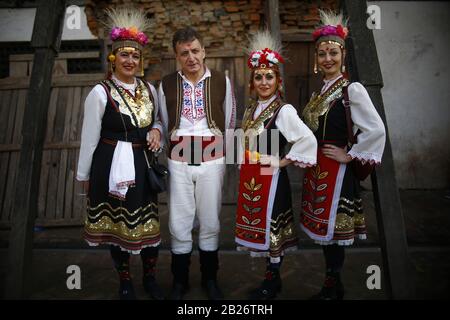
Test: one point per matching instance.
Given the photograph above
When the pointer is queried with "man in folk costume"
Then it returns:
(197, 107)
(119, 116)
(264, 220)
(331, 204)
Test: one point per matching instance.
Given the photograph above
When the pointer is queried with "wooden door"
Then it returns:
(299, 82)
(299, 78)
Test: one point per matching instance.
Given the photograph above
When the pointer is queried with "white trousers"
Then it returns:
(195, 191)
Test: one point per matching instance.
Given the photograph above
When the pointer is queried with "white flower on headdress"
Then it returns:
(271, 58)
(255, 59)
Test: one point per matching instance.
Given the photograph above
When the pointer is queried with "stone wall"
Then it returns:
(224, 25)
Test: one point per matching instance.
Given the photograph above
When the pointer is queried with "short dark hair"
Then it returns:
(187, 34)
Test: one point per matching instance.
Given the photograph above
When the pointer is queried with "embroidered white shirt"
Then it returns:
(192, 120)
(329, 83)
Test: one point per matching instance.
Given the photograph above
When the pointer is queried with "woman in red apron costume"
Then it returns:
(331, 204)
(264, 220)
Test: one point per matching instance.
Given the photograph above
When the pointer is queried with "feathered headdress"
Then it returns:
(264, 51)
(127, 28)
(333, 28)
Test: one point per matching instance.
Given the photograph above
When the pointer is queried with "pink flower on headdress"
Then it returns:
(115, 33)
(142, 38)
(328, 30)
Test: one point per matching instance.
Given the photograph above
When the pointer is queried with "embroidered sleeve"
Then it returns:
(94, 109)
(304, 144)
(371, 140)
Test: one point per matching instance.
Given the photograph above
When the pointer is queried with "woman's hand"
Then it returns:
(153, 140)
(336, 153)
(269, 160)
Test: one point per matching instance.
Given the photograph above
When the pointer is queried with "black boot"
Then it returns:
(149, 258)
(209, 264)
(180, 271)
(121, 262)
(269, 288)
(332, 289)
(126, 290)
(152, 288)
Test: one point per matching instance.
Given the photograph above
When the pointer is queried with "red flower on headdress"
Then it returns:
(316, 34)
(341, 31)
(279, 57)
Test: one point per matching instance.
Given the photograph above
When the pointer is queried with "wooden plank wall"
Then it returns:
(59, 202)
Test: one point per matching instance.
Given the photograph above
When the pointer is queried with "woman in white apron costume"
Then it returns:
(119, 122)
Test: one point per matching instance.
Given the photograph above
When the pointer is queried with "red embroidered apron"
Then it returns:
(257, 188)
(321, 192)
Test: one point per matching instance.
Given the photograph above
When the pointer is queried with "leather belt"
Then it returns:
(114, 142)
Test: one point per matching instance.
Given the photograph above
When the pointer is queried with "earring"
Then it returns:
(343, 68)
(280, 87)
(111, 59)
(315, 63)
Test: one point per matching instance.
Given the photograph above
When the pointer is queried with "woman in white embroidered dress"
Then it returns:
(331, 204)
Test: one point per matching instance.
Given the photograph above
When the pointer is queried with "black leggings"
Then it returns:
(334, 257)
(121, 258)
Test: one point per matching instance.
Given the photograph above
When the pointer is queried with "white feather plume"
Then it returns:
(127, 17)
(262, 40)
(331, 18)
